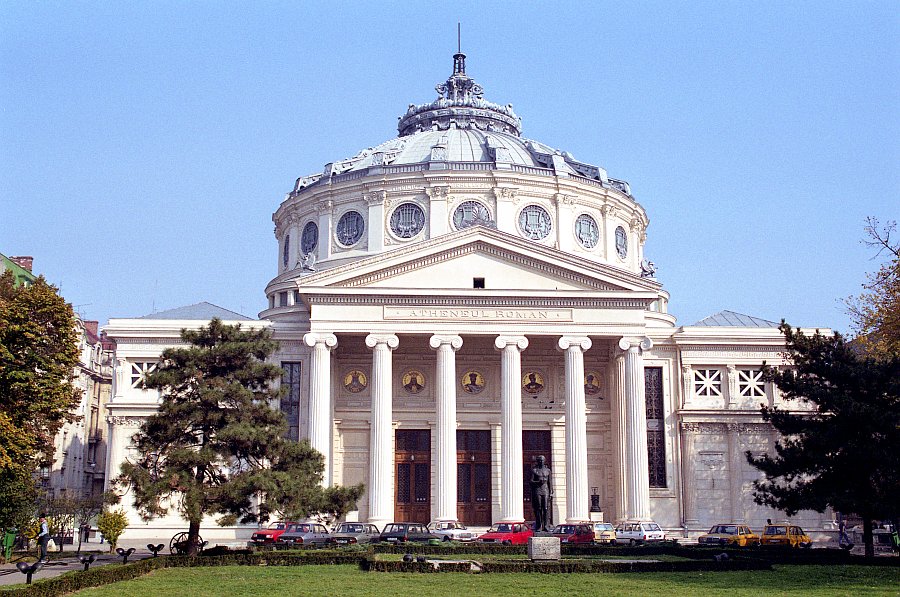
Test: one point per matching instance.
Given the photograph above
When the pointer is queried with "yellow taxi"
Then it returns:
(785, 535)
(732, 535)
(604, 533)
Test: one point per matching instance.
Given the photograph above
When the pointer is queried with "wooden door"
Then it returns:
(534, 444)
(413, 475)
(473, 477)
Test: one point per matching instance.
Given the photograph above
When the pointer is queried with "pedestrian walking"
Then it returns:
(43, 539)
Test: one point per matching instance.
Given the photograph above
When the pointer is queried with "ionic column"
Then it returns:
(381, 456)
(576, 428)
(511, 480)
(688, 455)
(445, 395)
(320, 424)
(618, 426)
(637, 477)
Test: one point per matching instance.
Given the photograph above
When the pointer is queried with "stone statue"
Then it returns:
(541, 493)
(308, 262)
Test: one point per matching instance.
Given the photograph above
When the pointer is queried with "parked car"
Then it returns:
(635, 532)
(574, 533)
(508, 533)
(451, 531)
(305, 533)
(732, 535)
(604, 533)
(402, 532)
(785, 535)
(351, 533)
(271, 533)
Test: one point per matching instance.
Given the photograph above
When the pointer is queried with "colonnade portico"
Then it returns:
(628, 424)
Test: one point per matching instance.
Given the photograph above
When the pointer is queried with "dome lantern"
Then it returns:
(460, 104)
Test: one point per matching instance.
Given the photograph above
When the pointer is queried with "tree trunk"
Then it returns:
(193, 538)
(867, 537)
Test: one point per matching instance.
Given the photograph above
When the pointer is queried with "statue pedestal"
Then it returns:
(543, 548)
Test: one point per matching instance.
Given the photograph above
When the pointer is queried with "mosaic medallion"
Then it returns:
(472, 382)
(355, 381)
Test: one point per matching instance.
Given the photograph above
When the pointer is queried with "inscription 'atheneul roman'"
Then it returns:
(478, 314)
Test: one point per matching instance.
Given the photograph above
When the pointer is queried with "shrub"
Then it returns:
(112, 523)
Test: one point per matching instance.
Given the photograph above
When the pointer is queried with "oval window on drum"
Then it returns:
(534, 222)
(350, 228)
(587, 231)
(407, 220)
(309, 240)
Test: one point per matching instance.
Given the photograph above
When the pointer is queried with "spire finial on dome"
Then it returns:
(459, 59)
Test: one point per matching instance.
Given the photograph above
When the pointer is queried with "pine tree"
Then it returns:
(216, 443)
(843, 453)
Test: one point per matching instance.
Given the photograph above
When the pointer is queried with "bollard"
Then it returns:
(87, 561)
(123, 553)
(28, 570)
(407, 557)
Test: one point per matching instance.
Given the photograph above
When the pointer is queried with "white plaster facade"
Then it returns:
(461, 278)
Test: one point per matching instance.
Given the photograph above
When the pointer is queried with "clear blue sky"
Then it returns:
(144, 146)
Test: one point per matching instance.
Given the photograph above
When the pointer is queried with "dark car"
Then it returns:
(402, 532)
(351, 533)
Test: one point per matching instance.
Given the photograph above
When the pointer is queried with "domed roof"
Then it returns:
(460, 127)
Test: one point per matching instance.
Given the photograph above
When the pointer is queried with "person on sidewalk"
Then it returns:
(43, 539)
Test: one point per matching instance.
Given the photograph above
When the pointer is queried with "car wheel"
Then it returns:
(446, 539)
(507, 542)
(806, 545)
(631, 542)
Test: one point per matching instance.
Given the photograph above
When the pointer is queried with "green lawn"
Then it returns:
(349, 580)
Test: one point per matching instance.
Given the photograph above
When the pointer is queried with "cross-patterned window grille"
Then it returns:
(139, 372)
(751, 384)
(708, 382)
(290, 399)
(656, 440)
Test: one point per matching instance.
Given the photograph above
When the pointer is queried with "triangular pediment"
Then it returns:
(504, 261)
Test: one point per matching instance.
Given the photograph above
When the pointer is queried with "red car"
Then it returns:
(574, 533)
(271, 533)
(508, 533)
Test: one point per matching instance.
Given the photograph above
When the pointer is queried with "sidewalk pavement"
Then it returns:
(10, 575)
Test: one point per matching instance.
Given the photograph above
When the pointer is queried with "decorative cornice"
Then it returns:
(597, 303)
(483, 247)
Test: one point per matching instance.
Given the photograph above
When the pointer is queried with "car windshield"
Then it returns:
(566, 529)
(276, 526)
(774, 530)
(724, 529)
(502, 528)
(393, 528)
(607, 526)
(350, 528)
(651, 527)
(299, 528)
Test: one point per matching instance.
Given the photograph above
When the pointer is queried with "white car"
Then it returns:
(452, 531)
(635, 532)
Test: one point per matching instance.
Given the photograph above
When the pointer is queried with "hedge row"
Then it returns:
(111, 573)
(607, 566)
(564, 566)
(372, 565)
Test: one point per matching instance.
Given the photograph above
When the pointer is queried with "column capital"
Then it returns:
(391, 340)
(438, 340)
(628, 343)
(313, 338)
(566, 342)
(520, 342)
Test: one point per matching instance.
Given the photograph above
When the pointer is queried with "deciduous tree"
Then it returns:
(841, 453)
(216, 443)
(38, 355)
(876, 312)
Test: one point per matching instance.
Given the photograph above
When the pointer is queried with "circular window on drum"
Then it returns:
(534, 222)
(587, 231)
(309, 239)
(621, 242)
(350, 228)
(407, 220)
(471, 213)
